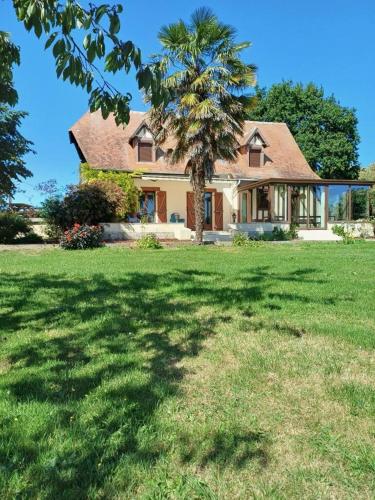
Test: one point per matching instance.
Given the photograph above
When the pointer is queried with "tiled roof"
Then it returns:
(102, 144)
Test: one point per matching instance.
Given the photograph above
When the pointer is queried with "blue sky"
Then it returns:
(330, 43)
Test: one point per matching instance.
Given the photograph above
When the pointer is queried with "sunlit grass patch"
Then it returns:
(188, 373)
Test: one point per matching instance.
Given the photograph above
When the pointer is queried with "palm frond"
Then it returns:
(206, 83)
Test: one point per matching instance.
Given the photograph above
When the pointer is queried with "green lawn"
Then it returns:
(188, 373)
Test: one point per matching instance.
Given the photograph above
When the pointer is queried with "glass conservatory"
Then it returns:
(305, 203)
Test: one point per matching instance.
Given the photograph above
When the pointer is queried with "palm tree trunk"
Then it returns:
(199, 182)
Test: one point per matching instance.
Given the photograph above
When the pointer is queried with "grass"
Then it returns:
(188, 373)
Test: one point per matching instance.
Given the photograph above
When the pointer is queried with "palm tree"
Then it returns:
(204, 106)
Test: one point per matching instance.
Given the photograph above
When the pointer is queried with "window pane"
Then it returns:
(254, 204)
(144, 151)
(280, 202)
(244, 207)
(255, 158)
(208, 208)
(359, 202)
(316, 206)
(338, 207)
(299, 205)
(262, 203)
(147, 206)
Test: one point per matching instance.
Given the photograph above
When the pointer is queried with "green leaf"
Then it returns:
(38, 28)
(51, 39)
(30, 9)
(91, 53)
(100, 11)
(114, 25)
(57, 48)
(86, 41)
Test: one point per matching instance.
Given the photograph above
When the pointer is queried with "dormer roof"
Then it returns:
(255, 137)
(141, 131)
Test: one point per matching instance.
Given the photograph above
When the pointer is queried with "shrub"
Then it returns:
(347, 236)
(114, 194)
(80, 237)
(278, 234)
(29, 238)
(11, 226)
(87, 204)
(293, 231)
(243, 240)
(54, 214)
(240, 240)
(149, 241)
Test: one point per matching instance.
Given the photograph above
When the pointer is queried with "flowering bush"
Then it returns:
(81, 237)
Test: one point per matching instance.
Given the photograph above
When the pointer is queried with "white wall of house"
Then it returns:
(176, 190)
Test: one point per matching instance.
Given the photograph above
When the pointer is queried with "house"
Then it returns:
(270, 184)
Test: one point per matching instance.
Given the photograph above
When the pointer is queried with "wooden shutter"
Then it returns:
(144, 151)
(161, 205)
(190, 214)
(218, 200)
(255, 157)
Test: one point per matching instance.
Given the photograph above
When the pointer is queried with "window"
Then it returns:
(208, 210)
(261, 204)
(255, 157)
(338, 203)
(360, 202)
(299, 205)
(147, 204)
(280, 202)
(145, 151)
(316, 207)
(244, 207)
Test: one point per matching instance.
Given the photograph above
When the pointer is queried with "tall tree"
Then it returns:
(204, 80)
(13, 146)
(325, 131)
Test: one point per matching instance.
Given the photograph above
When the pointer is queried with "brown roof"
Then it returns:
(104, 145)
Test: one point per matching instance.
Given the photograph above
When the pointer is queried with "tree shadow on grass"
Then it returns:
(108, 351)
(227, 448)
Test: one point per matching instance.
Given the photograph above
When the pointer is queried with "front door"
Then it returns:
(208, 210)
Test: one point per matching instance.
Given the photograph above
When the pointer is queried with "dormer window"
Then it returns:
(256, 156)
(145, 152)
(254, 145)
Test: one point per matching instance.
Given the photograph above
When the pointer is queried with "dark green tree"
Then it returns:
(13, 147)
(325, 131)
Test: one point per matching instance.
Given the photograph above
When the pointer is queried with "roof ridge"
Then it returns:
(246, 121)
